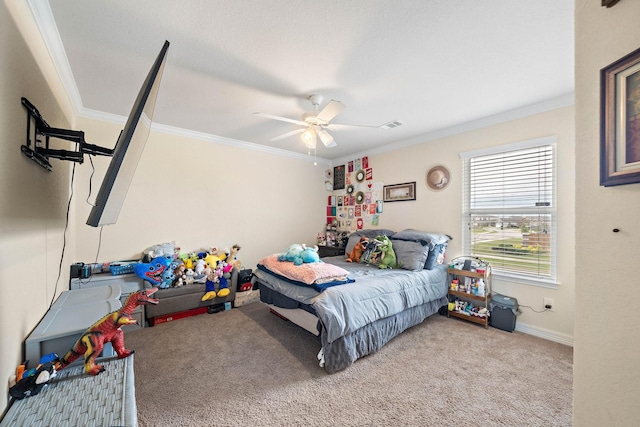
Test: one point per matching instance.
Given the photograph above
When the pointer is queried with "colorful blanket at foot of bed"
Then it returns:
(318, 275)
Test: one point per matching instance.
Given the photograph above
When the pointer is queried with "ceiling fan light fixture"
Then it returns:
(309, 138)
(326, 139)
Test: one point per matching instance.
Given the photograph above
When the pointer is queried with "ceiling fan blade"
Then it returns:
(288, 134)
(332, 109)
(338, 126)
(282, 119)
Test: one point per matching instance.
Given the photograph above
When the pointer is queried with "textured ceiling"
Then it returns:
(434, 65)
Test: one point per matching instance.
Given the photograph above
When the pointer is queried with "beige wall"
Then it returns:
(441, 211)
(202, 194)
(607, 336)
(33, 203)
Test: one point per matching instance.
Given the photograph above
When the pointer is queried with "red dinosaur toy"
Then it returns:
(107, 329)
(358, 249)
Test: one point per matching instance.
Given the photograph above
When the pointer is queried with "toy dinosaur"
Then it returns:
(358, 249)
(388, 255)
(107, 329)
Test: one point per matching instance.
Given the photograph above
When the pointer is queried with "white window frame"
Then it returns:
(551, 280)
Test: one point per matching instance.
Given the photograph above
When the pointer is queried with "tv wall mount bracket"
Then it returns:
(39, 133)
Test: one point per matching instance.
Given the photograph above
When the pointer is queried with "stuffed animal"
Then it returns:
(189, 279)
(223, 254)
(153, 271)
(218, 276)
(292, 253)
(225, 274)
(180, 273)
(388, 256)
(167, 250)
(199, 267)
(299, 254)
(371, 254)
(232, 258)
(309, 255)
(167, 278)
(358, 249)
(210, 285)
(31, 382)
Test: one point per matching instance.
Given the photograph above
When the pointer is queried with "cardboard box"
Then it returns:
(247, 297)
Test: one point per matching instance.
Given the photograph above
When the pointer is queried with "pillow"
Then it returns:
(411, 255)
(436, 256)
(426, 238)
(354, 237)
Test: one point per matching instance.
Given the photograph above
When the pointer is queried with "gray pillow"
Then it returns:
(434, 257)
(426, 238)
(410, 255)
(354, 237)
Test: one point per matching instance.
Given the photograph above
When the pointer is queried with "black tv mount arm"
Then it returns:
(40, 153)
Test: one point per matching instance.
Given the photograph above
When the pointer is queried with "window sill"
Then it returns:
(551, 284)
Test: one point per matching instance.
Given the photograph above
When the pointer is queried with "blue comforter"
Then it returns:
(375, 294)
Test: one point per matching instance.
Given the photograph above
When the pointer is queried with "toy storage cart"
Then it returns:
(73, 398)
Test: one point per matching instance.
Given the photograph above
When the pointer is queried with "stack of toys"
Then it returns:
(165, 265)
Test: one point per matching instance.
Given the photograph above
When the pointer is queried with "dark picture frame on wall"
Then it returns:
(620, 121)
(400, 192)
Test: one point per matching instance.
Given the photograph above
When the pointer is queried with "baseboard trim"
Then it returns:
(545, 334)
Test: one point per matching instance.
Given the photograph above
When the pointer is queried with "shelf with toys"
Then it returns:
(470, 285)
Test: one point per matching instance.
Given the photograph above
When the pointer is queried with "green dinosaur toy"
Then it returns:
(388, 255)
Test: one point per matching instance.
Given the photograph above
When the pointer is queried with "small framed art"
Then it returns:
(400, 192)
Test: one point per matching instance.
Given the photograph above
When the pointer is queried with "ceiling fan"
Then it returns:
(315, 123)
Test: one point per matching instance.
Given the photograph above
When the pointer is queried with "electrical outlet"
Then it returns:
(548, 303)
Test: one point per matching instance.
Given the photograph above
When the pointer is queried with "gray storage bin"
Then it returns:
(504, 311)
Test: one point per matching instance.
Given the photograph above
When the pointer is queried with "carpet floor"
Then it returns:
(247, 367)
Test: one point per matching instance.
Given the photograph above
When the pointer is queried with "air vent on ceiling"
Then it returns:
(391, 125)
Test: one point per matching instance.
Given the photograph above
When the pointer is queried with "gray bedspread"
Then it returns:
(376, 294)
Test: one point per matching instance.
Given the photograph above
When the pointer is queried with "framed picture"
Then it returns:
(400, 192)
(620, 121)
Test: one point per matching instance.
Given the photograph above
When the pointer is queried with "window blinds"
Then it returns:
(509, 212)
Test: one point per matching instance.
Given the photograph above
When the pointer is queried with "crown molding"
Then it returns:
(529, 110)
(206, 137)
(43, 17)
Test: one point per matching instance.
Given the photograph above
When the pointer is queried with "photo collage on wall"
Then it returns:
(356, 199)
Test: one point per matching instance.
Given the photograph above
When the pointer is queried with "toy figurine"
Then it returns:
(31, 382)
(107, 329)
(358, 250)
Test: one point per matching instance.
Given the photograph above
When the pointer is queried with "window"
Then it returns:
(509, 208)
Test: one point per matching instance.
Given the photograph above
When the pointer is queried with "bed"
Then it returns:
(362, 307)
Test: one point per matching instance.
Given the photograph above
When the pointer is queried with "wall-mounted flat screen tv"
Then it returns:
(128, 149)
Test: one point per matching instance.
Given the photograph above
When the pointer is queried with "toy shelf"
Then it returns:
(480, 300)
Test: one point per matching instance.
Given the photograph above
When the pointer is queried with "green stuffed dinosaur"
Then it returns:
(387, 254)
